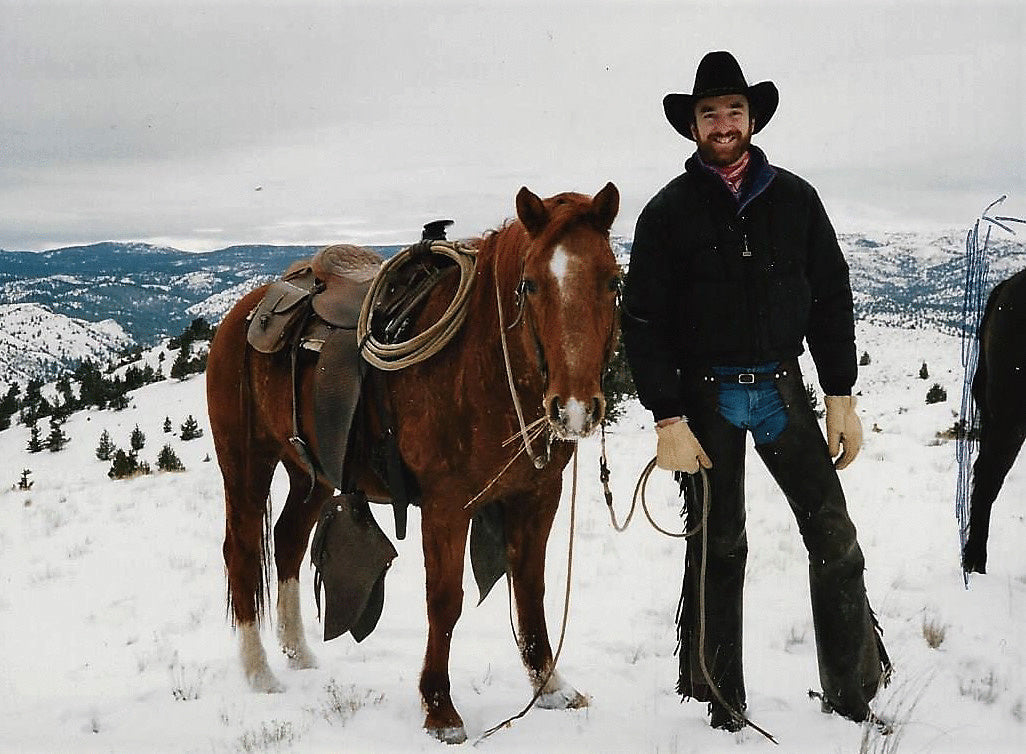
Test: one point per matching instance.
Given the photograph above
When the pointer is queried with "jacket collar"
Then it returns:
(759, 176)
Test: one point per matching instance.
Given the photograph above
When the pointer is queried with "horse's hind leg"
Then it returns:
(445, 542)
(527, 531)
(247, 484)
(291, 538)
(999, 445)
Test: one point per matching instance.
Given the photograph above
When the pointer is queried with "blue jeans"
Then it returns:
(756, 407)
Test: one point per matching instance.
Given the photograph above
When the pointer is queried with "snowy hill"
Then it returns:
(36, 342)
(901, 279)
(114, 636)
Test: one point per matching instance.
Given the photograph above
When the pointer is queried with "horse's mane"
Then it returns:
(510, 238)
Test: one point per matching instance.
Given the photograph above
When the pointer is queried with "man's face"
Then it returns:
(722, 128)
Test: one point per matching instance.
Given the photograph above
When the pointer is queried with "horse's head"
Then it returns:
(568, 292)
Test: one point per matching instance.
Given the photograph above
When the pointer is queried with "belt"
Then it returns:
(745, 378)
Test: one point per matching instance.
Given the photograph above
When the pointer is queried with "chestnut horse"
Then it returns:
(999, 387)
(553, 273)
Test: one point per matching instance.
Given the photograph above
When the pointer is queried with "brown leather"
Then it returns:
(346, 262)
(350, 555)
(275, 321)
(337, 384)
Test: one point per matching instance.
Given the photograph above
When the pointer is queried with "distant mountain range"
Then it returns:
(60, 306)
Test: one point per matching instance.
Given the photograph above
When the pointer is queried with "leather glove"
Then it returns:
(843, 428)
(678, 449)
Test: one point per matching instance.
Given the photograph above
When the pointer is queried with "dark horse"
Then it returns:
(555, 276)
(999, 390)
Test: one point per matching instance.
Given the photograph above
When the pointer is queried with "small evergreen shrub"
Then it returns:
(924, 373)
(57, 439)
(35, 443)
(137, 439)
(936, 394)
(25, 483)
(105, 450)
(190, 429)
(167, 425)
(864, 361)
(810, 392)
(168, 460)
(123, 465)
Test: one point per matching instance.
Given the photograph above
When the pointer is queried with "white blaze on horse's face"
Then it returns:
(577, 317)
(570, 276)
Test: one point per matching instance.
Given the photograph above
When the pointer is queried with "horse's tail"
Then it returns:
(262, 597)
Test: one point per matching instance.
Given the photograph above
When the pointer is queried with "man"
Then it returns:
(735, 264)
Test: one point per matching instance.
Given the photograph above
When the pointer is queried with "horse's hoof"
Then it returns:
(299, 658)
(450, 734)
(264, 682)
(562, 698)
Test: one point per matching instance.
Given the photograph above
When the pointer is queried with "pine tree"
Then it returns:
(34, 444)
(123, 464)
(167, 425)
(9, 406)
(168, 460)
(810, 393)
(190, 429)
(864, 361)
(57, 439)
(106, 448)
(936, 394)
(924, 373)
(137, 439)
(180, 367)
(25, 483)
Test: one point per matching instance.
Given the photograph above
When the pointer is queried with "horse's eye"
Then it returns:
(530, 286)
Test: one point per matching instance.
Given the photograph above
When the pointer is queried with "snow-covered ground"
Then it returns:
(113, 635)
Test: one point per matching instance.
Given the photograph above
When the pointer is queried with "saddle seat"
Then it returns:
(345, 272)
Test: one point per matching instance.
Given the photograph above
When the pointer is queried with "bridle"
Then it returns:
(519, 296)
(520, 304)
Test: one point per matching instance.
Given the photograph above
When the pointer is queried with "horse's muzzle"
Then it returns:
(575, 419)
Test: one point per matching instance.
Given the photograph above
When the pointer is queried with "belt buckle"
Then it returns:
(746, 378)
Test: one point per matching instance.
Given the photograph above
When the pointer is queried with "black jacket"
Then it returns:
(716, 280)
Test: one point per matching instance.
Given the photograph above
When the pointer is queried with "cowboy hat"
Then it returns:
(719, 73)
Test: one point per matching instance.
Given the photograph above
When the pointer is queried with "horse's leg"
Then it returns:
(444, 542)
(247, 482)
(291, 537)
(528, 524)
(999, 445)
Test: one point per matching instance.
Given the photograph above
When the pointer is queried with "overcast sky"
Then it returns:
(360, 121)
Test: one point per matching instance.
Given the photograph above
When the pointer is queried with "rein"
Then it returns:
(540, 462)
(639, 491)
(562, 628)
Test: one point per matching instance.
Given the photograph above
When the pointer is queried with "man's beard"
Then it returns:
(723, 155)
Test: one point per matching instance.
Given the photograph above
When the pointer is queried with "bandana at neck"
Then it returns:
(734, 174)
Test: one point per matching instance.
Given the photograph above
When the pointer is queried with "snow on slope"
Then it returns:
(34, 340)
(114, 638)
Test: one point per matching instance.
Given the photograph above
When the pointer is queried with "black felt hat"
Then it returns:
(719, 73)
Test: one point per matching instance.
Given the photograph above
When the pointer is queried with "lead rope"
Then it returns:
(562, 629)
(639, 491)
(540, 462)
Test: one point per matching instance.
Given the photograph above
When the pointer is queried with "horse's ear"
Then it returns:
(605, 205)
(531, 211)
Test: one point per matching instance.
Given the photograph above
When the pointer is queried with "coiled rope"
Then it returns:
(391, 357)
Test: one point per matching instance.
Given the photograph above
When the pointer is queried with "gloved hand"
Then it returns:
(843, 428)
(678, 449)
